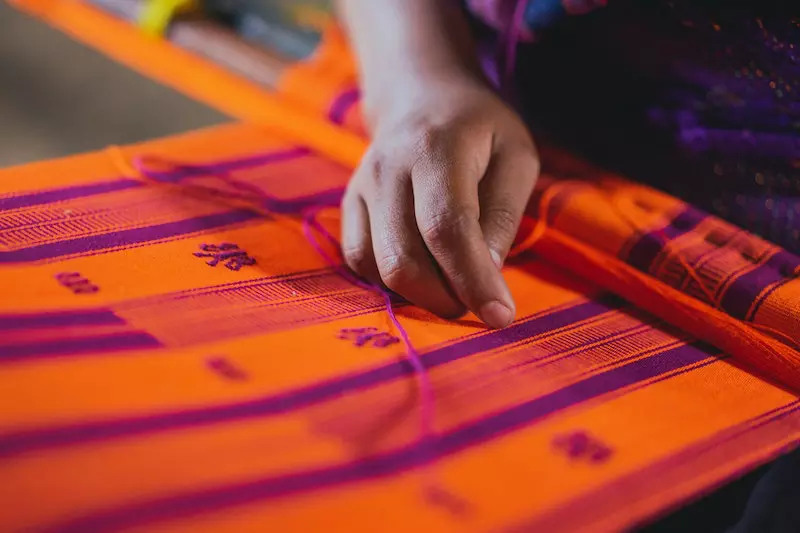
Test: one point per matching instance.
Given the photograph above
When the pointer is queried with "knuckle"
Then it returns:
(528, 161)
(443, 225)
(377, 169)
(431, 140)
(358, 257)
(397, 270)
(374, 169)
(380, 169)
(503, 219)
(533, 166)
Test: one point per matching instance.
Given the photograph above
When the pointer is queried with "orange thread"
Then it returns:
(779, 360)
(620, 211)
(540, 225)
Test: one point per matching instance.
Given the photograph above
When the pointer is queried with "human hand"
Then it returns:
(435, 205)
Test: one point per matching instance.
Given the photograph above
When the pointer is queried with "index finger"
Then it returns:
(447, 213)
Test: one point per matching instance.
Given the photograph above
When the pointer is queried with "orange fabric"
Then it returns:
(171, 361)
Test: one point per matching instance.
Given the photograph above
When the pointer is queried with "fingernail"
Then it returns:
(498, 261)
(496, 315)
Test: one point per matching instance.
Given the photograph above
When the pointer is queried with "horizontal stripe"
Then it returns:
(296, 398)
(342, 105)
(57, 319)
(328, 198)
(80, 191)
(405, 458)
(126, 237)
(67, 193)
(683, 465)
(128, 340)
(743, 291)
(644, 252)
(183, 171)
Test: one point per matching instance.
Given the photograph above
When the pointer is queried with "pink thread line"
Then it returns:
(512, 39)
(427, 402)
(310, 225)
(255, 192)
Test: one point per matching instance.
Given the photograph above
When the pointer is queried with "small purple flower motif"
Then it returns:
(228, 253)
(580, 446)
(440, 497)
(76, 283)
(364, 336)
(226, 369)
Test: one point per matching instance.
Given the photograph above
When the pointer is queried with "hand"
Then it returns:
(435, 205)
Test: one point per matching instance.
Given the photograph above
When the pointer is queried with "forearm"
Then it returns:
(401, 44)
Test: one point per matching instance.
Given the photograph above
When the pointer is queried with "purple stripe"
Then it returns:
(649, 246)
(187, 171)
(79, 191)
(128, 340)
(297, 398)
(66, 193)
(329, 198)
(520, 331)
(475, 433)
(607, 497)
(741, 294)
(126, 237)
(342, 104)
(59, 319)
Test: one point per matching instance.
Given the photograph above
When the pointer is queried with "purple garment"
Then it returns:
(698, 98)
(529, 16)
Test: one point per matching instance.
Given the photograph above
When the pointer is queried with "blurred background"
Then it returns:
(59, 97)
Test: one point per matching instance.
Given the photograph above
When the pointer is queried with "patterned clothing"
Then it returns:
(696, 100)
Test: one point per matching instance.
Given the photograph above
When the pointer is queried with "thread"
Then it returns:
(777, 360)
(310, 227)
(427, 400)
(512, 38)
(540, 223)
(691, 271)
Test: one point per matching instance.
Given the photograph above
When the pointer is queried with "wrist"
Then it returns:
(402, 91)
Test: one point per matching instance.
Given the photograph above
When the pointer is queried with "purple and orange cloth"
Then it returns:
(175, 356)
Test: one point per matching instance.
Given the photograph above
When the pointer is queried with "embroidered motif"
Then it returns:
(226, 369)
(228, 253)
(580, 446)
(364, 336)
(76, 283)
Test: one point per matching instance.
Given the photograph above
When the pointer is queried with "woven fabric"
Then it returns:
(173, 358)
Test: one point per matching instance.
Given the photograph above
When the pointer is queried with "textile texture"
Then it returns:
(175, 356)
(697, 97)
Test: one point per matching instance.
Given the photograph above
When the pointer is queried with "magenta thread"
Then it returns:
(507, 45)
(427, 402)
(310, 225)
(513, 39)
